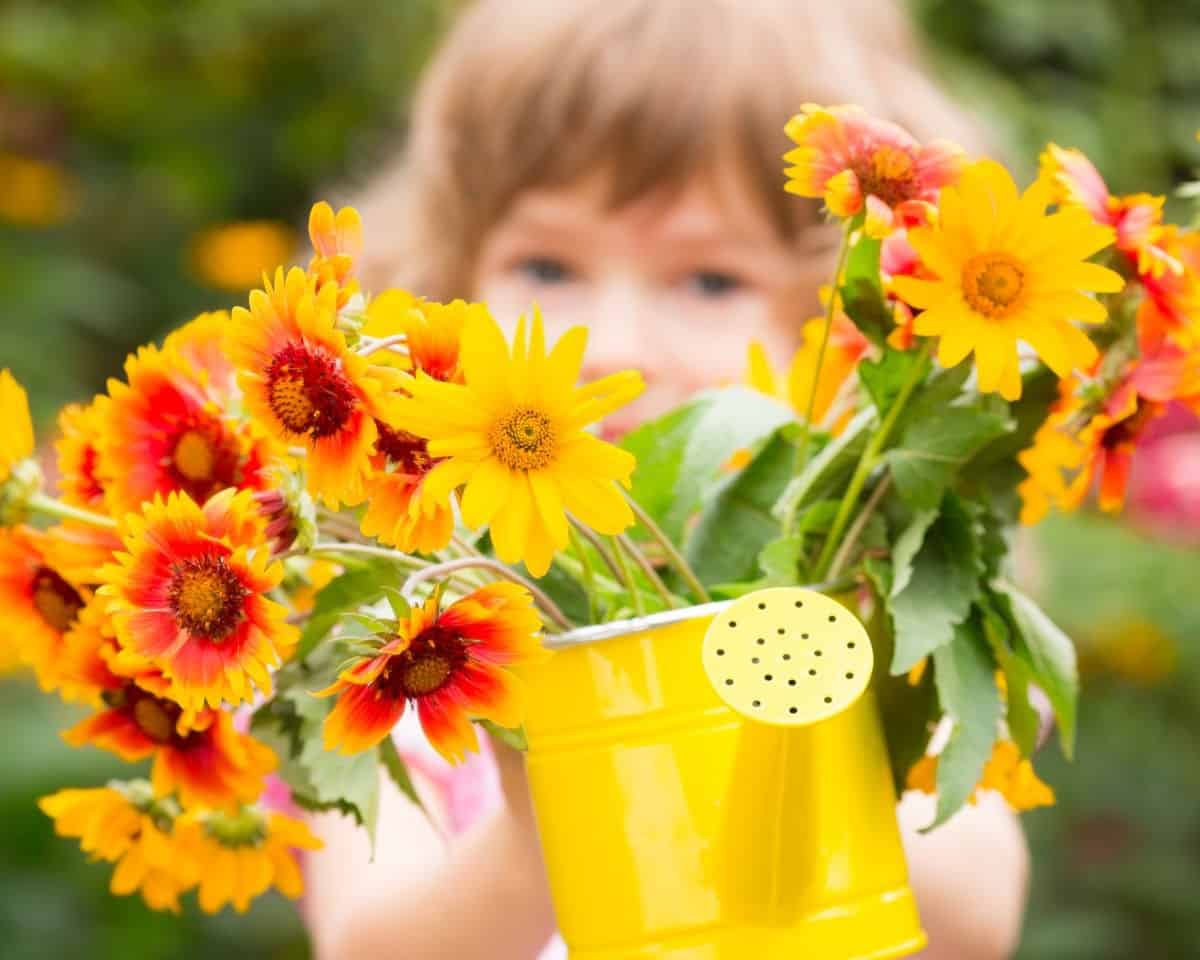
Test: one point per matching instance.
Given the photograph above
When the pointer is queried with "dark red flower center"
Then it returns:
(207, 597)
(431, 662)
(889, 174)
(154, 716)
(56, 600)
(308, 391)
(204, 458)
(406, 451)
(1127, 431)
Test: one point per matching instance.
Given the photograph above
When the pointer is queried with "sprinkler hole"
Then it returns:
(816, 653)
(757, 703)
(849, 676)
(850, 645)
(792, 682)
(799, 603)
(768, 677)
(829, 699)
(733, 623)
(754, 659)
(729, 682)
(760, 641)
(793, 710)
(812, 673)
(804, 636)
(762, 606)
(787, 656)
(781, 631)
(832, 618)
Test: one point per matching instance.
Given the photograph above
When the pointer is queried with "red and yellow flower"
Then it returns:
(1073, 447)
(200, 757)
(1171, 308)
(1003, 271)
(1136, 219)
(513, 433)
(400, 510)
(122, 826)
(305, 387)
(189, 594)
(450, 664)
(78, 453)
(239, 856)
(855, 161)
(39, 605)
(166, 431)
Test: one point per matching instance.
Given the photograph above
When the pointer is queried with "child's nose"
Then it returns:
(622, 335)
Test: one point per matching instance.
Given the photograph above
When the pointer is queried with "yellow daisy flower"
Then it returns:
(1006, 772)
(512, 432)
(16, 427)
(1005, 271)
(240, 856)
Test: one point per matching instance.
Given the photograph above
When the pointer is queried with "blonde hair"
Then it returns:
(536, 93)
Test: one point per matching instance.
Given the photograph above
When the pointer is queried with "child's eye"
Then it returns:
(545, 270)
(713, 283)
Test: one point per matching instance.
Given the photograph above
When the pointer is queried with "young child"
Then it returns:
(619, 162)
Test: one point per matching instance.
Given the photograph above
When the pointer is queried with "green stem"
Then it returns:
(639, 605)
(858, 526)
(589, 575)
(369, 550)
(64, 511)
(591, 537)
(674, 557)
(647, 568)
(830, 309)
(868, 461)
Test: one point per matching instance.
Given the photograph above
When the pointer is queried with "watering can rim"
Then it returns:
(620, 628)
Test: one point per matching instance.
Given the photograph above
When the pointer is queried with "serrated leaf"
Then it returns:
(779, 560)
(737, 522)
(885, 378)
(373, 624)
(353, 589)
(964, 673)
(907, 545)
(1051, 657)
(941, 588)
(931, 452)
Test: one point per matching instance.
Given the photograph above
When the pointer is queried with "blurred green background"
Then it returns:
(150, 151)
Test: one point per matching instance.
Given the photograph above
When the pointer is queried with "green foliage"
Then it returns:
(937, 595)
(966, 686)
(885, 378)
(357, 587)
(862, 291)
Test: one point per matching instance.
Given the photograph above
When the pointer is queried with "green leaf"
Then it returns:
(737, 419)
(659, 447)
(353, 589)
(965, 676)
(779, 560)
(907, 545)
(1051, 657)
(400, 607)
(397, 769)
(1021, 716)
(862, 290)
(885, 378)
(930, 452)
(941, 588)
(824, 477)
(737, 523)
(514, 738)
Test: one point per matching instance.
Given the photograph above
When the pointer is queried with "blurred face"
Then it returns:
(675, 284)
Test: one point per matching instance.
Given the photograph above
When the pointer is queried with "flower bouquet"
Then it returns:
(292, 522)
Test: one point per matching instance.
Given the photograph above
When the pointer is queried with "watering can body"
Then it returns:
(675, 828)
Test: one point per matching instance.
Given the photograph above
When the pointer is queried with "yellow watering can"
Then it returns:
(712, 784)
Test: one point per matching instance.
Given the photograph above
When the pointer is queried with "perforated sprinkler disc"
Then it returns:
(787, 656)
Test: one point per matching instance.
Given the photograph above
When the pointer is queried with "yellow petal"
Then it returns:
(486, 492)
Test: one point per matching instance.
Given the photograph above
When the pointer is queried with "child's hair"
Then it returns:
(536, 93)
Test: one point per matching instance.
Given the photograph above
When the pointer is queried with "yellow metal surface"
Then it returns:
(676, 829)
(787, 656)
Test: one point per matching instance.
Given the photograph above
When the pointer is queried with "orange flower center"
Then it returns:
(408, 452)
(204, 458)
(888, 174)
(56, 600)
(207, 597)
(992, 283)
(308, 392)
(524, 440)
(431, 661)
